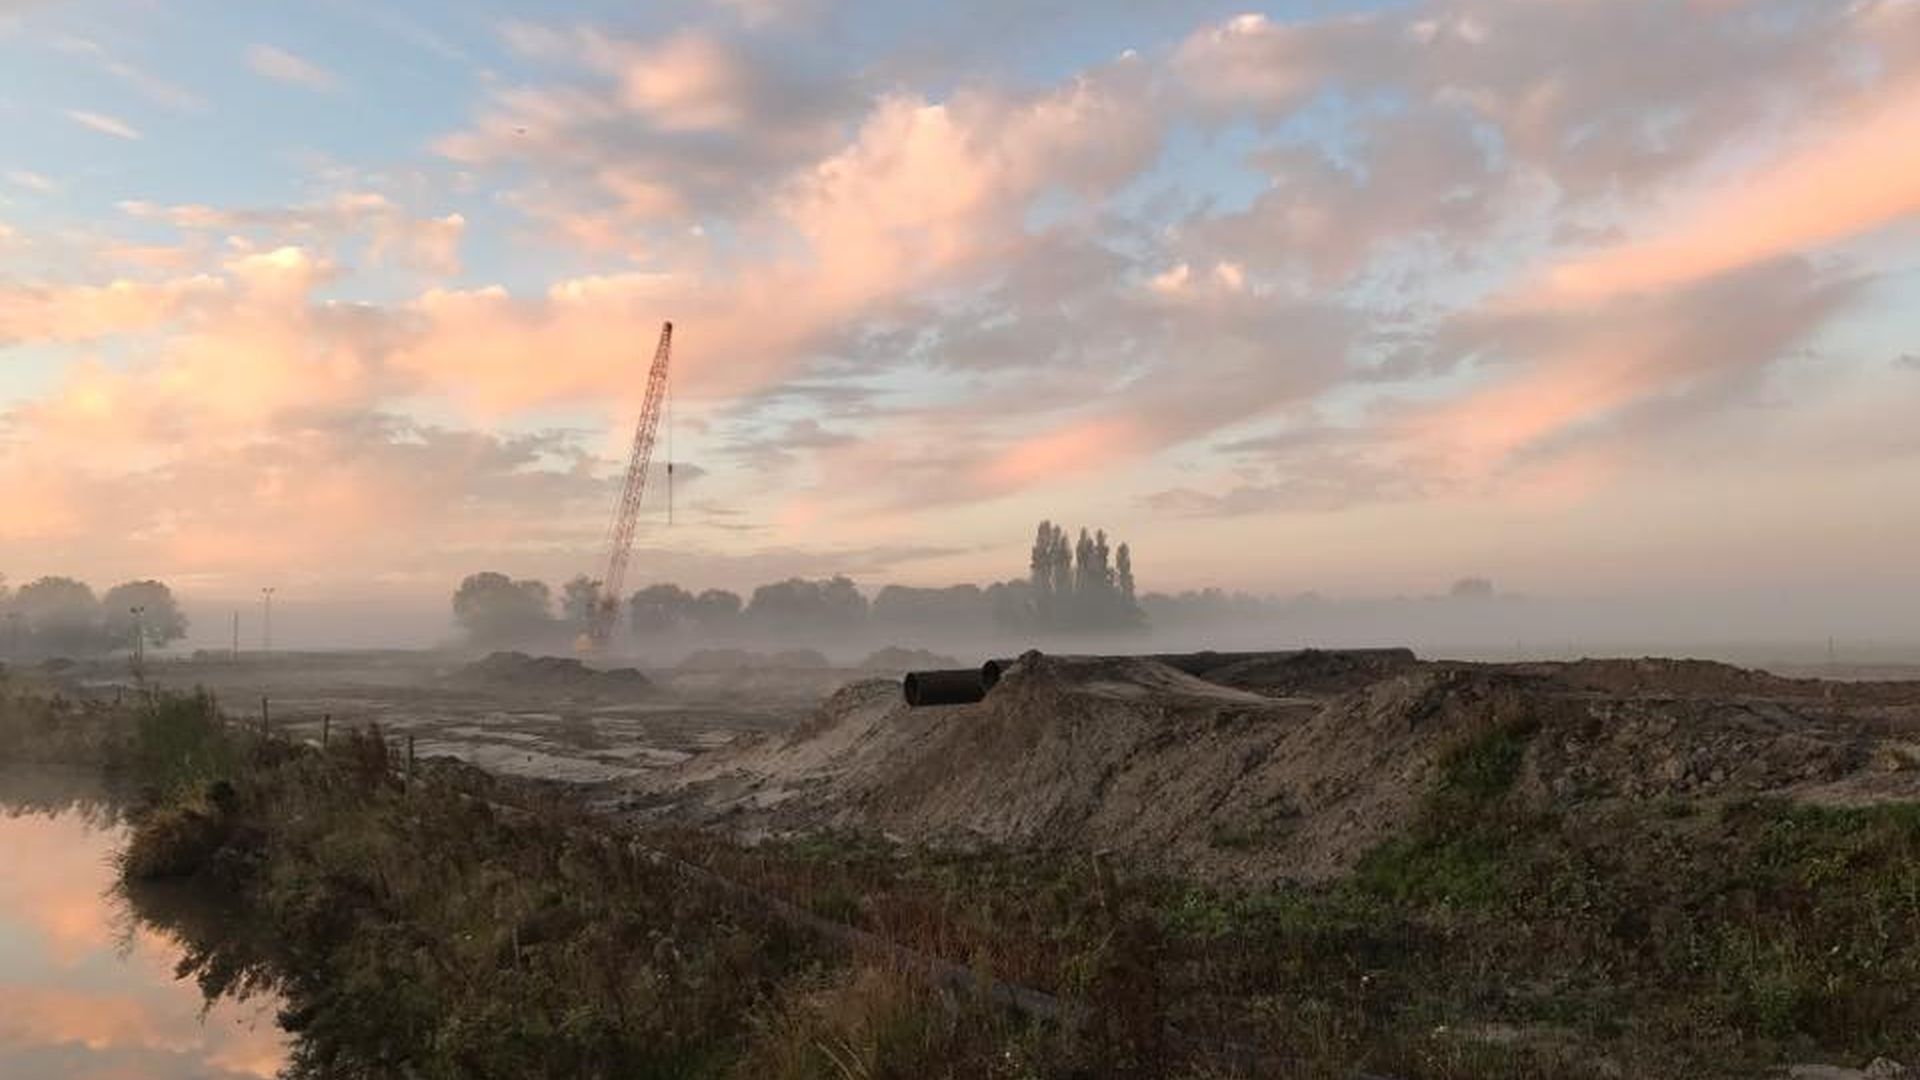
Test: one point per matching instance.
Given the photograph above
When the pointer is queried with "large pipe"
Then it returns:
(943, 687)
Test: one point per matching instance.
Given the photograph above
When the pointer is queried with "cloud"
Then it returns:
(102, 123)
(1267, 265)
(43, 313)
(922, 196)
(278, 64)
(1857, 174)
(1558, 374)
(633, 135)
(1644, 98)
(32, 181)
(156, 89)
(393, 234)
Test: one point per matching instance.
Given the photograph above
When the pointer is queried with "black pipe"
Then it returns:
(943, 688)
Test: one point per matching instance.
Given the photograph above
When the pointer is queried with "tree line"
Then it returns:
(62, 616)
(1083, 586)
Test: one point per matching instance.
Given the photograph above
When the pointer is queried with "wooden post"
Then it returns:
(409, 761)
(326, 729)
(266, 718)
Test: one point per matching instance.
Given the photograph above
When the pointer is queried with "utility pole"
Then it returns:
(236, 636)
(266, 624)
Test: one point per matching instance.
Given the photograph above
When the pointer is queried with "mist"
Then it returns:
(1771, 628)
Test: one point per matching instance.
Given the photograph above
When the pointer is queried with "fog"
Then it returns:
(1753, 628)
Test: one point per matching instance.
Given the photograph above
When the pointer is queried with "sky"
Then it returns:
(1594, 297)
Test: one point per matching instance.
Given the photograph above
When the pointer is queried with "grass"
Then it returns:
(424, 930)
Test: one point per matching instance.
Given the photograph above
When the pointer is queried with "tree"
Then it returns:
(716, 611)
(797, 605)
(494, 608)
(842, 605)
(61, 615)
(1012, 605)
(161, 620)
(1471, 588)
(1076, 586)
(578, 599)
(660, 609)
(1040, 571)
(956, 608)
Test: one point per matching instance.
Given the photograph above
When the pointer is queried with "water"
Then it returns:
(87, 990)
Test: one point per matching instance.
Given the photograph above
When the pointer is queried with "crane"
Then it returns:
(626, 513)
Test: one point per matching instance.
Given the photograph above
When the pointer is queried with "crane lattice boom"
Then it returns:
(626, 513)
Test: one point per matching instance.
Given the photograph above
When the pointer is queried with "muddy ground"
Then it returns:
(591, 732)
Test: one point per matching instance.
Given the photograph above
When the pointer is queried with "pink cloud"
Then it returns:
(1857, 173)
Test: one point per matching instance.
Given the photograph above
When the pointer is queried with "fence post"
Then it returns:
(409, 761)
(266, 718)
(326, 729)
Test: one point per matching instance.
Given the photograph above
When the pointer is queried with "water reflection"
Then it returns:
(86, 990)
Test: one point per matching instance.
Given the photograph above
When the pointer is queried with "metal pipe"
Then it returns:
(943, 688)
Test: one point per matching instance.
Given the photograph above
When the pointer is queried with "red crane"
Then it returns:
(626, 513)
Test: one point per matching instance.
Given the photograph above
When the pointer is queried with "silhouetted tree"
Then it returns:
(716, 612)
(797, 605)
(660, 609)
(1075, 586)
(1473, 588)
(161, 620)
(61, 615)
(577, 600)
(1012, 605)
(494, 608)
(956, 608)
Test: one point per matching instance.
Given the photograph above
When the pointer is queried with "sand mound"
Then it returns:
(1177, 772)
(738, 659)
(896, 659)
(519, 672)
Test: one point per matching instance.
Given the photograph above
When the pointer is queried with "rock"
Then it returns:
(1885, 1069)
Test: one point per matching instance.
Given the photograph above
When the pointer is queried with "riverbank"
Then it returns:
(454, 924)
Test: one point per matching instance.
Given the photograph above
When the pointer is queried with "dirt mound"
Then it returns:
(1178, 772)
(737, 659)
(1311, 671)
(517, 672)
(895, 658)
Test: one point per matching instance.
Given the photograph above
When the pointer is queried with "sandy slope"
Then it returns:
(1296, 781)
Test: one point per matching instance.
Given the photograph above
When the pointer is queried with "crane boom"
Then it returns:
(626, 513)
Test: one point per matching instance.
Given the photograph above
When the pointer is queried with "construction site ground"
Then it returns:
(588, 731)
(1565, 866)
(1313, 762)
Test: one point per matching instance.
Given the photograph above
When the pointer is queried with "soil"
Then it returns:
(1288, 769)
(549, 719)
